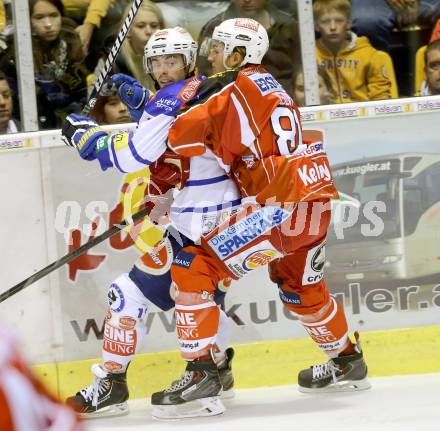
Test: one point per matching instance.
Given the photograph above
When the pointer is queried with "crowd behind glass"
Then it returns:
(365, 50)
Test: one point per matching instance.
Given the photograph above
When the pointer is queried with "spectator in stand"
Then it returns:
(92, 15)
(7, 123)
(130, 61)
(356, 70)
(377, 18)
(2, 16)
(436, 31)
(59, 73)
(284, 53)
(25, 404)
(326, 95)
(110, 109)
(431, 85)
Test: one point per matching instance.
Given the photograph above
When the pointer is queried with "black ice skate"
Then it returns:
(226, 376)
(195, 394)
(341, 374)
(106, 396)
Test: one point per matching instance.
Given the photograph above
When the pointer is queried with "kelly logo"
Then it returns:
(311, 175)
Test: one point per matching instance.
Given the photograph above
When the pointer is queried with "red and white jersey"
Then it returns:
(253, 125)
(25, 405)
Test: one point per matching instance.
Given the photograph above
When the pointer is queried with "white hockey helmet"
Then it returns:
(245, 32)
(171, 41)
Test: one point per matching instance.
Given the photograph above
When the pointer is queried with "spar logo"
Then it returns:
(259, 258)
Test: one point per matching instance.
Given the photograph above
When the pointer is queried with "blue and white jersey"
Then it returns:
(209, 195)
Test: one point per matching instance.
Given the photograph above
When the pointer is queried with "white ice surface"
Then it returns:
(406, 403)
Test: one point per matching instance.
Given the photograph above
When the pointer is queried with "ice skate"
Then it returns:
(106, 396)
(226, 376)
(196, 393)
(341, 374)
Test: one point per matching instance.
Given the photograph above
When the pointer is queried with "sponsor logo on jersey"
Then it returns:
(289, 297)
(186, 325)
(247, 230)
(266, 83)
(166, 104)
(249, 161)
(189, 89)
(314, 266)
(312, 174)
(127, 322)
(119, 341)
(116, 299)
(313, 149)
(184, 259)
(318, 259)
(259, 258)
(112, 366)
(321, 334)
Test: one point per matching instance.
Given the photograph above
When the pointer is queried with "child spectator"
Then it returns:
(431, 85)
(284, 53)
(59, 73)
(326, 95)
(110, 110)
(377, 18)
(7, 123)
(356, 70)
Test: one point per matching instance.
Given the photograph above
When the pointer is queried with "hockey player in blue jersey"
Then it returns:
(206, 196)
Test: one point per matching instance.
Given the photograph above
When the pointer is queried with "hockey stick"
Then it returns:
(103, 74)
(72, 255)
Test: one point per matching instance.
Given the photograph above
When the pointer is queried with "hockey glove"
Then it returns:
(132, 93)
(88, 138)
(166, 101)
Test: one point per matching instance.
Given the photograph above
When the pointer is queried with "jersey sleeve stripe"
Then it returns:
(136, 155)
(247, 134)
(115, 158)
(212, 208)
(178, 147)
(244, 103)
(206, 181)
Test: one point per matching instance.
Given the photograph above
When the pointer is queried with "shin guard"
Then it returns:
(328, 328)
(197, 322)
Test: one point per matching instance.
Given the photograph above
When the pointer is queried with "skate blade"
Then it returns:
(345, 386)
(202, 407)
(227, 395)
(113, 410)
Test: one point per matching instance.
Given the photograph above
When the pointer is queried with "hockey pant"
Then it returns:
(133, 295)
(295, 248)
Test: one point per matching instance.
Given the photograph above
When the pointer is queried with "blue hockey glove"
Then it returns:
(87, 137)
(132, 93)
(166, 101)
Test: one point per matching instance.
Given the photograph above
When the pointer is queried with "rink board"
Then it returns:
(270, 363)
(51, 198)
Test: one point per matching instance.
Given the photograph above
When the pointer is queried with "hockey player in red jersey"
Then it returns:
(206, 193)
(253, 126)
(25, 404)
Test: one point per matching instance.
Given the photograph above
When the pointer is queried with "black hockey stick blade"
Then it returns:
(106, 69)
(72, 255)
